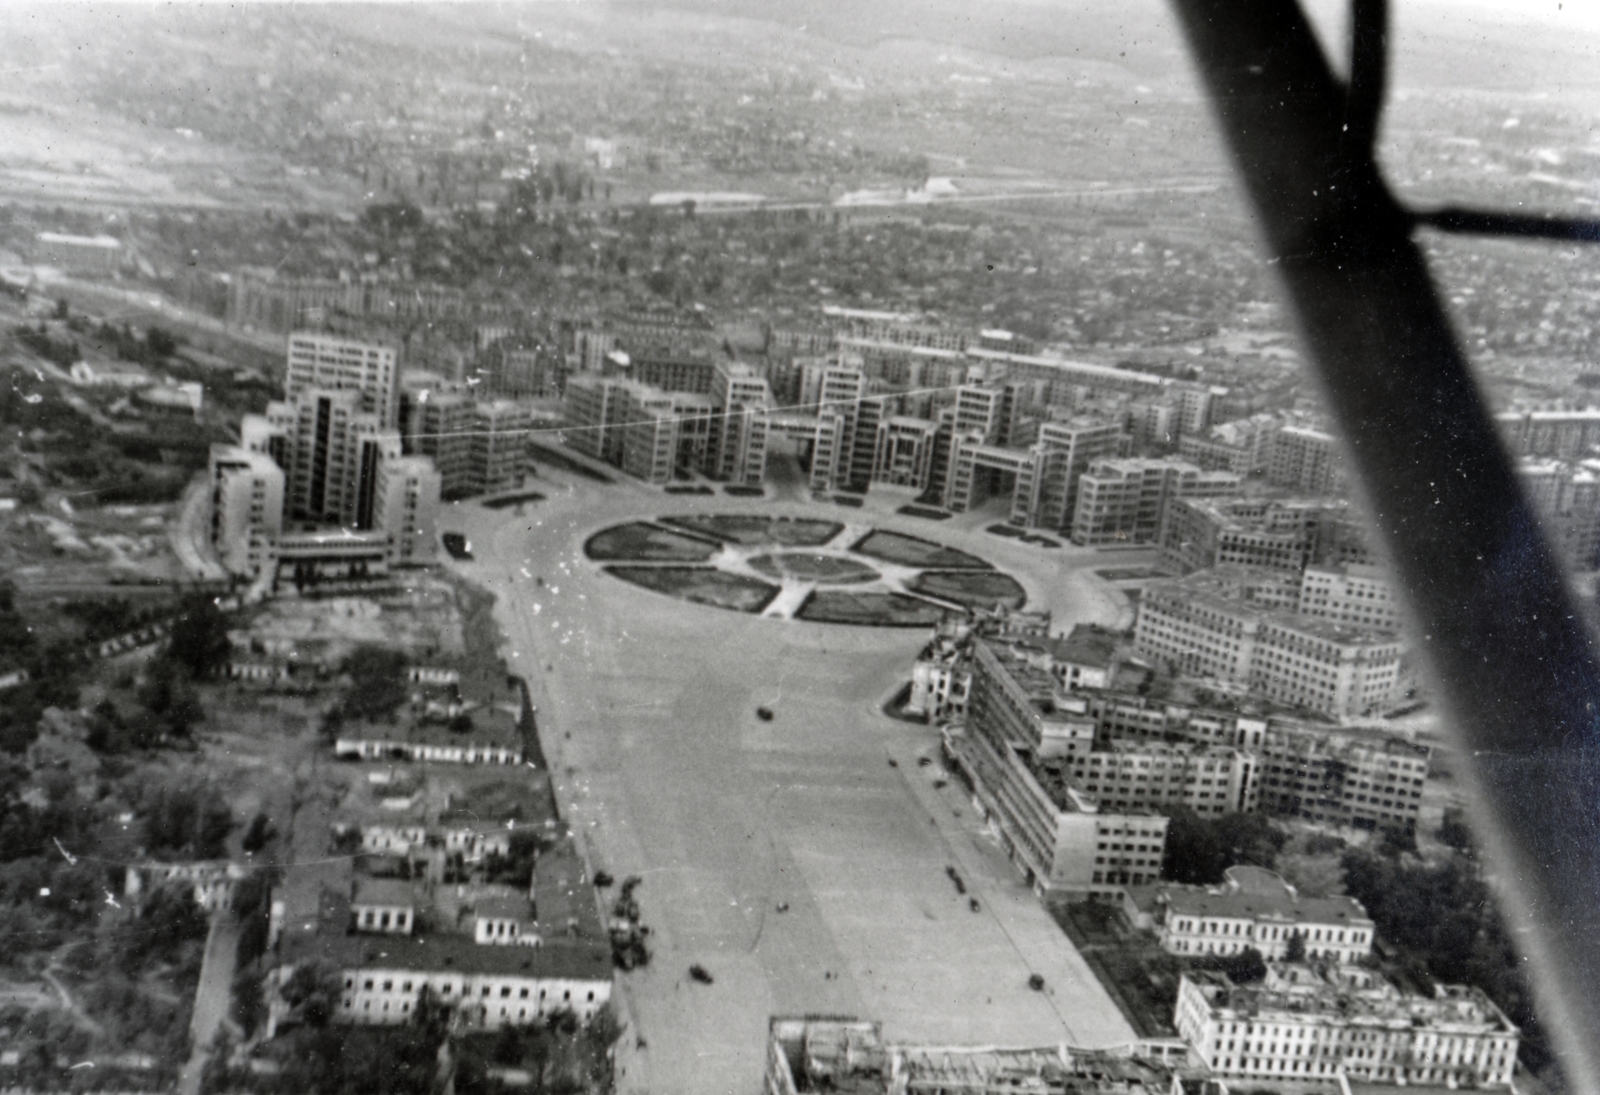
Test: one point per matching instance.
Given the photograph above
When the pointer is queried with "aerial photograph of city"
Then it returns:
(743, 547)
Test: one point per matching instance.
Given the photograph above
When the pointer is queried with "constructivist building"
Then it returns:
(1200, 533)
(1125, 501)
(1254, 909)
(1566, 496)
(246, 508)
(1240, 446)
(1041, 480)
(1350, 593)
(1203, 629)
(333, 363)
(1301, 1023)
(1305, 459)
(1352, 776)
(350, 503)
(1559, 434)
(1017, 757)
(843, 1054)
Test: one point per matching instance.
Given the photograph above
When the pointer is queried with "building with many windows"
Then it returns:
(334, 363)
(1347, 1022)
(1350, 593)
(1255, 909)
(246, 508)
(1286, 535)
(1125, 501)
(1305, 459)
(1018, 757)
(1204, 629)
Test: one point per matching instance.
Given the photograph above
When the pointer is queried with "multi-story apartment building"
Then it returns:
(1346, 1023)
(1018, 757)
(1200, 627)
(1132, 775)
(1240, 446)
(1305, 459)
(406, 507)
(333, 363)
(1557, 434)
(1350, 593)
(1566, 497)
(905, 450)
(1125, 501)
(1359, 778)
(246, 508)
(1255, 909)
(1287, 535)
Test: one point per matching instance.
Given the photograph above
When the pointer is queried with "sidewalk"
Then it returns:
(185, 534)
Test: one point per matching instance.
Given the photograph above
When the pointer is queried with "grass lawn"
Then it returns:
(910, 551)
(753, 529)
(807, 567)
(1136, 973)
(644, 542)
(987, 588)
(869, 609)
(702, 585)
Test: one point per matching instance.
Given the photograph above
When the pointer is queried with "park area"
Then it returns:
(701, 586)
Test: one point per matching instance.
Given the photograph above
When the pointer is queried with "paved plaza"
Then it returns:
(647, 709)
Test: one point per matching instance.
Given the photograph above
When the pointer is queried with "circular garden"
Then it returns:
(800, 568)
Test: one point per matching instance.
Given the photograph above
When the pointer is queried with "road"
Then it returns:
(647, 709)
(212, 997)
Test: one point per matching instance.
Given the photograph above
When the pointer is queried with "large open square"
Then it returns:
(805, 861)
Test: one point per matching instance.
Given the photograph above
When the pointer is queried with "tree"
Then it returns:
(1296, 950)
(198, 640)
(259, 832)
(377, 682)
(1454, 832)
(311, 991)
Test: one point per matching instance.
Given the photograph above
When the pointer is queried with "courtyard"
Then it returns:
(802, 859)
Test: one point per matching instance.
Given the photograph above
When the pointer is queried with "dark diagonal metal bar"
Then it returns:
(1477, 222)
(1487, 604)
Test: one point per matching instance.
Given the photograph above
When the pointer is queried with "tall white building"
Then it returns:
(333, 363)
(246, 508)
(1124, 501)
(406, 507)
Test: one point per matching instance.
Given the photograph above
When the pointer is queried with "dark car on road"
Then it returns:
(701, 974)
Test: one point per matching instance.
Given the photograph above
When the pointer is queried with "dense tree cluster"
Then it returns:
(377, 682)
(1200, 849)
(1444, 918)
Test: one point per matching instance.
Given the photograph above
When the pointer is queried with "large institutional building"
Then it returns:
(1307, 1024)
(320, 485)
(1018, 755)
(1203, 628)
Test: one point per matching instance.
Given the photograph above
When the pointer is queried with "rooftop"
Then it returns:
(1298, 993)
(383, 891)
(1254, 893)
(850, 1057)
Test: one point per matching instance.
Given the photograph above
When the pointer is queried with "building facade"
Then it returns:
(1299, 1024)
(1201, 629)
